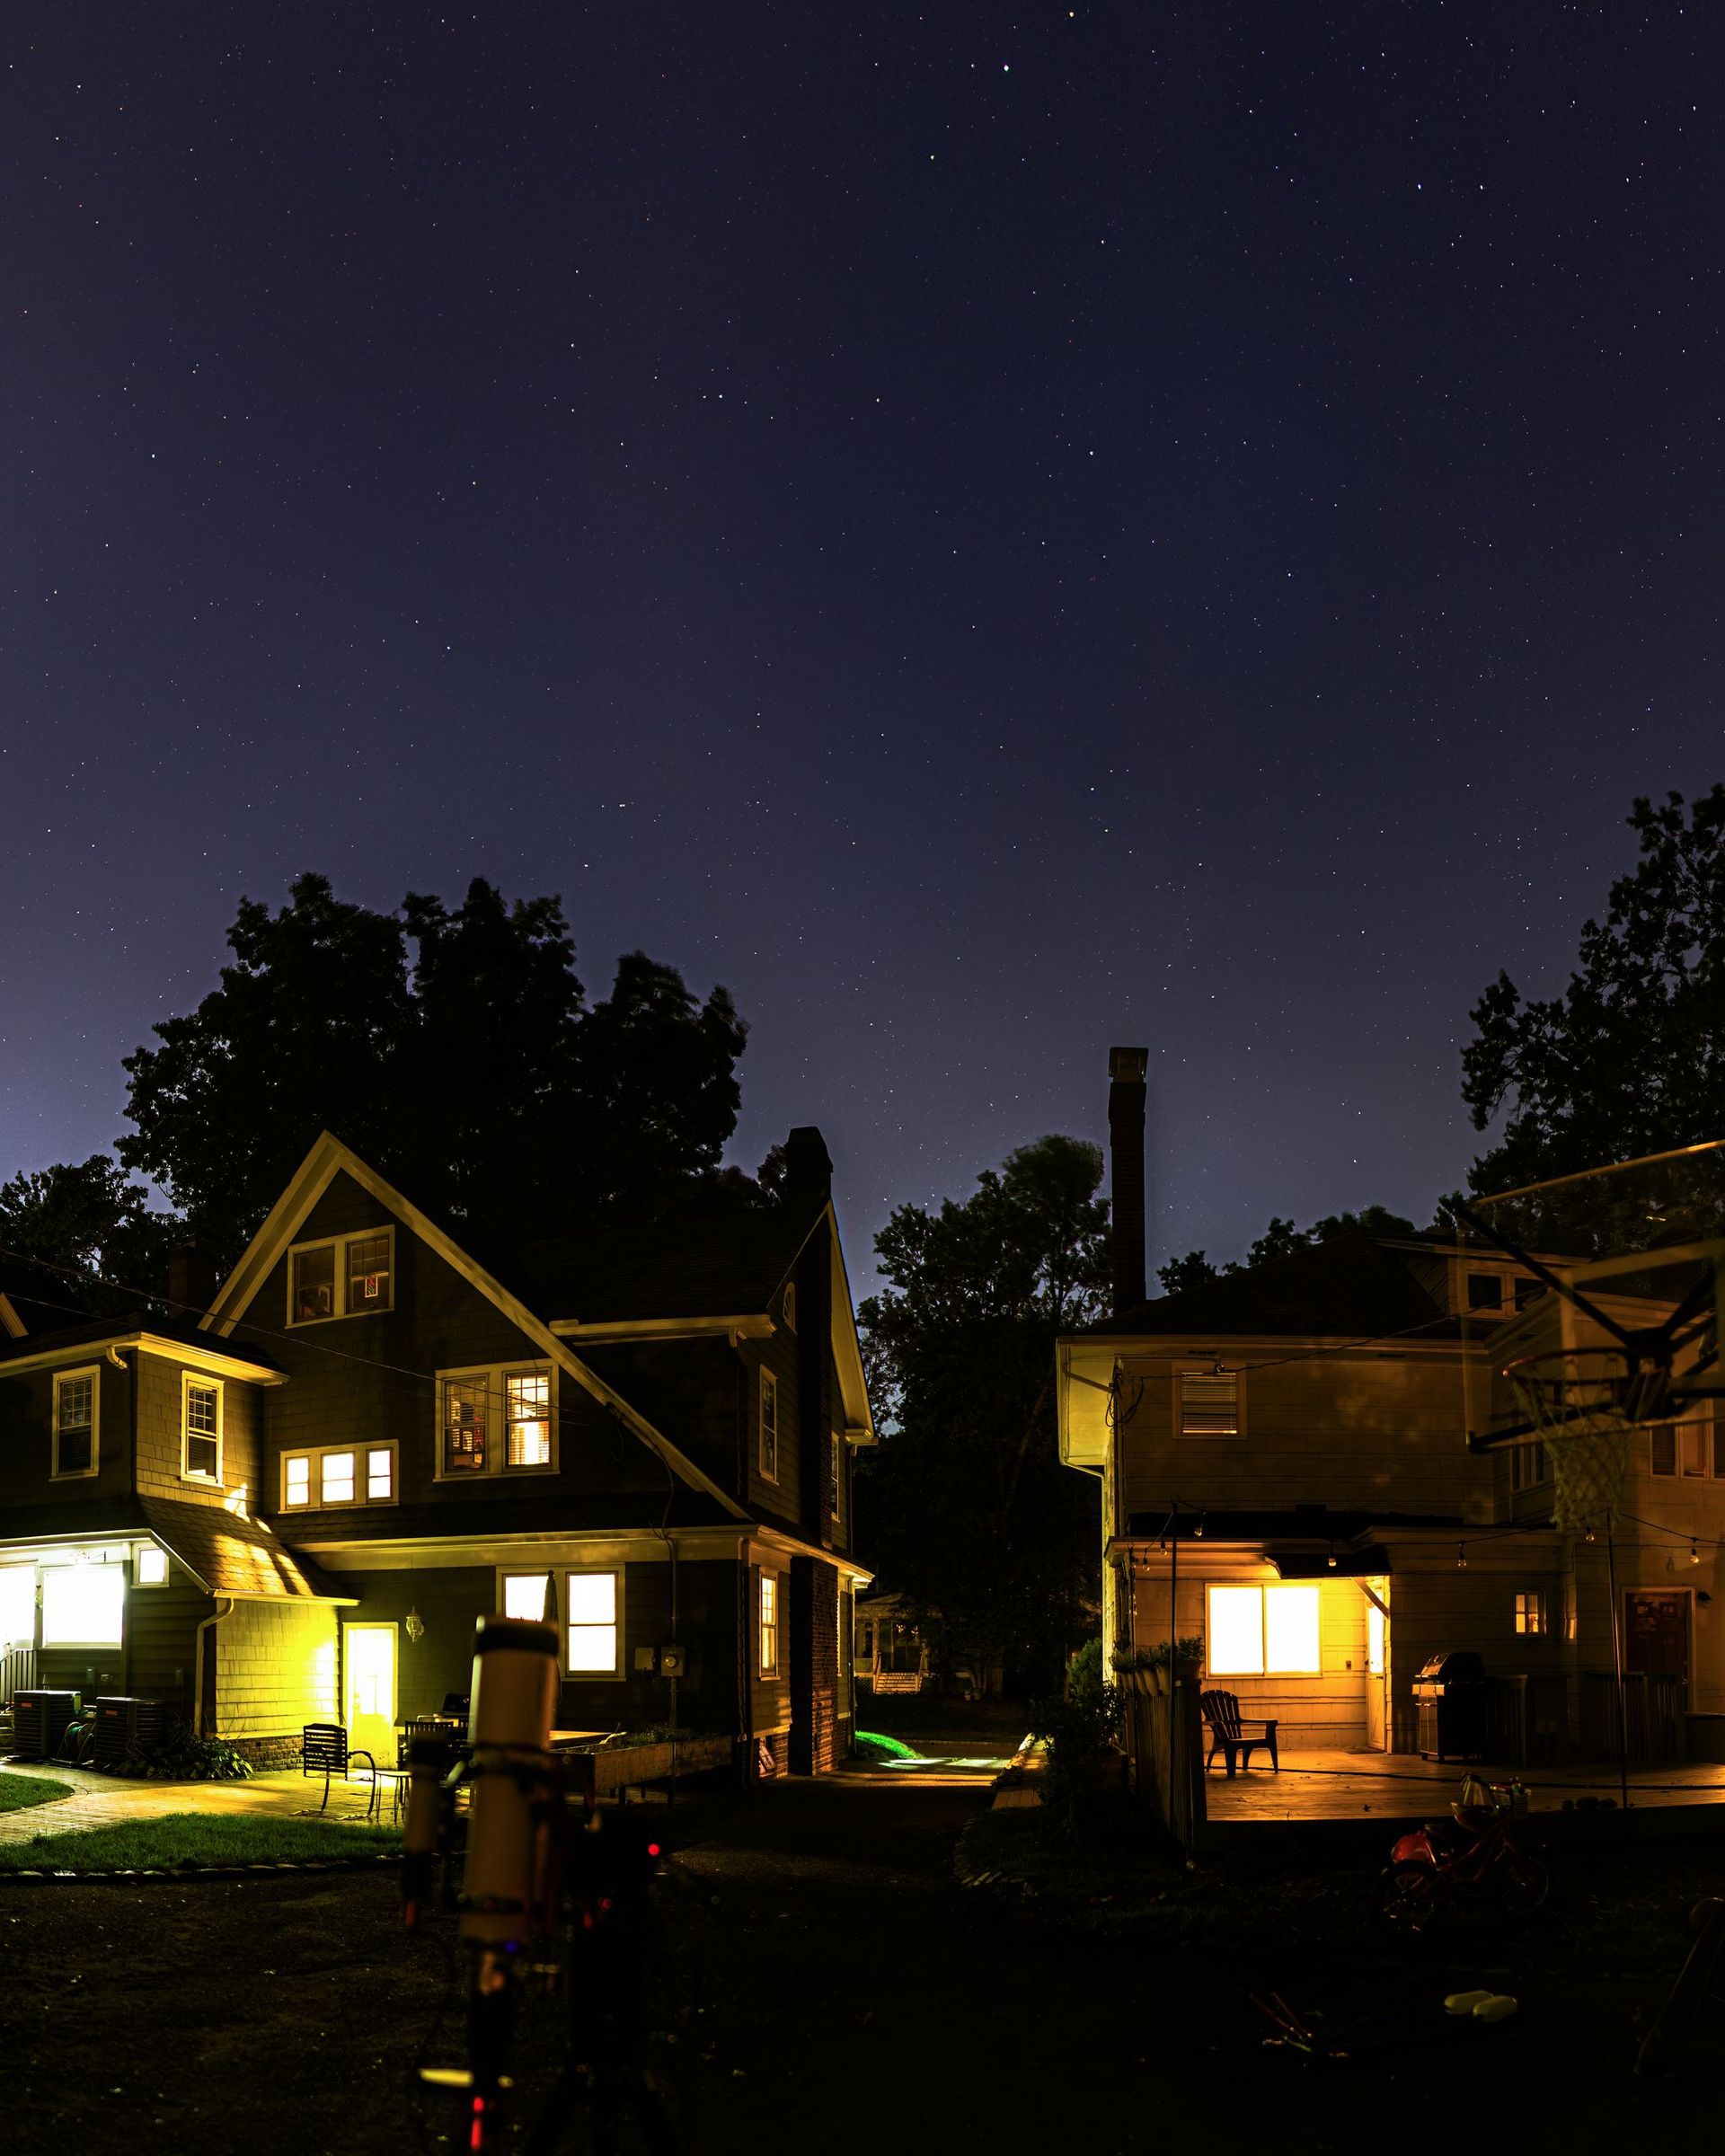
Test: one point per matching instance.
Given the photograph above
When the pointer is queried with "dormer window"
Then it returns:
(200, 1427)
(344, 1276)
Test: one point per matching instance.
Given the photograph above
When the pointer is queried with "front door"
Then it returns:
(1656, 1633)
(1377, 1730)
(368, 1690)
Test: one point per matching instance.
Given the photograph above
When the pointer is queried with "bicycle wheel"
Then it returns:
(1408, 1898)
(1523, 1883)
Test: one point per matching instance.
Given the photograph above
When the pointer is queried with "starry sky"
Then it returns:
(991, 530)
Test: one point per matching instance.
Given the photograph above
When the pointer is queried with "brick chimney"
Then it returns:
(1126, 1099)
(808, 1170)
(191, 1281)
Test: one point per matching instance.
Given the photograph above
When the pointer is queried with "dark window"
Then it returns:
(1485, 1290)
(1527, 1291)
(1662, 1449)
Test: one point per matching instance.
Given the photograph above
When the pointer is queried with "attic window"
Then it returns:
(1485, 1291)
(344, 1276)
(1207, 1400)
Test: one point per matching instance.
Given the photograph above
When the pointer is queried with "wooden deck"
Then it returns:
(1366, 1788)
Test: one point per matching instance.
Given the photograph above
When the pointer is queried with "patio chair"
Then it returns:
(1221, 1712)
(325, 1750)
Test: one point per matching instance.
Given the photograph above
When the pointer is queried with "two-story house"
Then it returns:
(1284, 1472)
(298, 1509)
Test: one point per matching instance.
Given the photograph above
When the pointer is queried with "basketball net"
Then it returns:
(1585, 1427)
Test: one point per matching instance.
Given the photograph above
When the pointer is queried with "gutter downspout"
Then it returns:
(129, 1371)
(225, 1608)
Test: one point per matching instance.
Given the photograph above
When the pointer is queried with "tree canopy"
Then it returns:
(966, 1509)
(455, 1049)
(1280, 1239)
(1629, 1058)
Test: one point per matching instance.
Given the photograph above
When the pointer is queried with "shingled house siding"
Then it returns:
(275, 1668)
(159, 1437)
(780, 1501)
(27, 1420)
(379, 1385)
(161, 1638)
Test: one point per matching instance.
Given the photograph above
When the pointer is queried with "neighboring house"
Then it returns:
(299, 1508)
(891, 1655)
(1285, 1448)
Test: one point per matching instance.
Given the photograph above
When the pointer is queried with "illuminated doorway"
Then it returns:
(1377, 1661)
(368, 1690)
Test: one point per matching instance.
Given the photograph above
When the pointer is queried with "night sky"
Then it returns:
(991, 531)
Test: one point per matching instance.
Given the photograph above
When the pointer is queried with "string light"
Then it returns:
(1461, 1557)
(1332, 1557)
(1694, 1550)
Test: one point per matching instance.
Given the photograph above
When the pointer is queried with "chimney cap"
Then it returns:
(1128, 1066)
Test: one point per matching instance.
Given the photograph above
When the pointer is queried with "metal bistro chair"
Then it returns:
(325, 1751)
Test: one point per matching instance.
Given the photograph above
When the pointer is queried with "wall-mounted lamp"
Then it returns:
(413, 1625)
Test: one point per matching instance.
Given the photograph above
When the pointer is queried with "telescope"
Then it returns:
(549, 1891)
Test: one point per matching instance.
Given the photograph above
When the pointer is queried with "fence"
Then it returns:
(17, 1671)
(1176, 1798)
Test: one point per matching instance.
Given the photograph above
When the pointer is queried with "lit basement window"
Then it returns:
(82, 1606)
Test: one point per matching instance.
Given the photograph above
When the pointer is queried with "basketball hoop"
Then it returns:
(1583, 1403)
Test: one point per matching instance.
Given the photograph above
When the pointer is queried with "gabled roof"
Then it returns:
(140, 1330)
(1351, 1286)
(702, 1268)
(328, 1158)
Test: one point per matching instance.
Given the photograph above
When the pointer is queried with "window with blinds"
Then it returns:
(1207, 1401)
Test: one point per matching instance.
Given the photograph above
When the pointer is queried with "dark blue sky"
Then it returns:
(990, 533)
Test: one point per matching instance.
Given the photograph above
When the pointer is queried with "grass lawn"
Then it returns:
(194, 1838)
(18, 1792)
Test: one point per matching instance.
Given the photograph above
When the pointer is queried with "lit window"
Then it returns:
(75, 1423)
(592, 1625)
(528, 1402)
(769, 1426)
(524, 1594)
(347, 1276)
(314, 1284)
(334, 1475)
(835, 1476)
(1374, 1639)
(769, 1624)
(82, 1606)
(1533, 1614)
(463, 1426)
(1210, 1402)
(202, 1401)
(368, 1276)
(1264, 1631)
(150, 1567)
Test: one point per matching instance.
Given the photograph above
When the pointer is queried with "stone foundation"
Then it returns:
(265, 1754)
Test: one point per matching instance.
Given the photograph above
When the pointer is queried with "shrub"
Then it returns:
(183, 1756)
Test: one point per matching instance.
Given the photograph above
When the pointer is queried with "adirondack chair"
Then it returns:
(1221, 1712)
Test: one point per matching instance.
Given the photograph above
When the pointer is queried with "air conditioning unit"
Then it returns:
(125, 1725)
(39, 1720)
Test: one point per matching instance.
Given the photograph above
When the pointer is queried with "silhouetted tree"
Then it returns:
(90, 1220)
(1629, 1059)
(1280, 1239)
(966, 1509)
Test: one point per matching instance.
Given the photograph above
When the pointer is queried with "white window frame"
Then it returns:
(592, 1676)
(767, 1627)
(1208, 1369)
(316, 1455)
(493, 1376)
(768, 1390)
(143, 1552)
(188, 1473)
(92, 1370)
(339, 1270)
(1263, 1590)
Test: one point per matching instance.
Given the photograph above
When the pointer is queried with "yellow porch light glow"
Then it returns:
(82, 1606)
(1291, 1635)
(1236, 1641)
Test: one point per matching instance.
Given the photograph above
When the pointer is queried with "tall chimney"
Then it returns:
(808, 1170)
(191, 1280)
(1126, 1097)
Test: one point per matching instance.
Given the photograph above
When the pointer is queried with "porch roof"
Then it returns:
(233, 1555)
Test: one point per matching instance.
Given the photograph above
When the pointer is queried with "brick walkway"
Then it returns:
(100, 1801)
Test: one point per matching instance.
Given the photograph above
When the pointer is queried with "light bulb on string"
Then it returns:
(1694, 1550)
(1461, 1557)
(1332, 1557)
